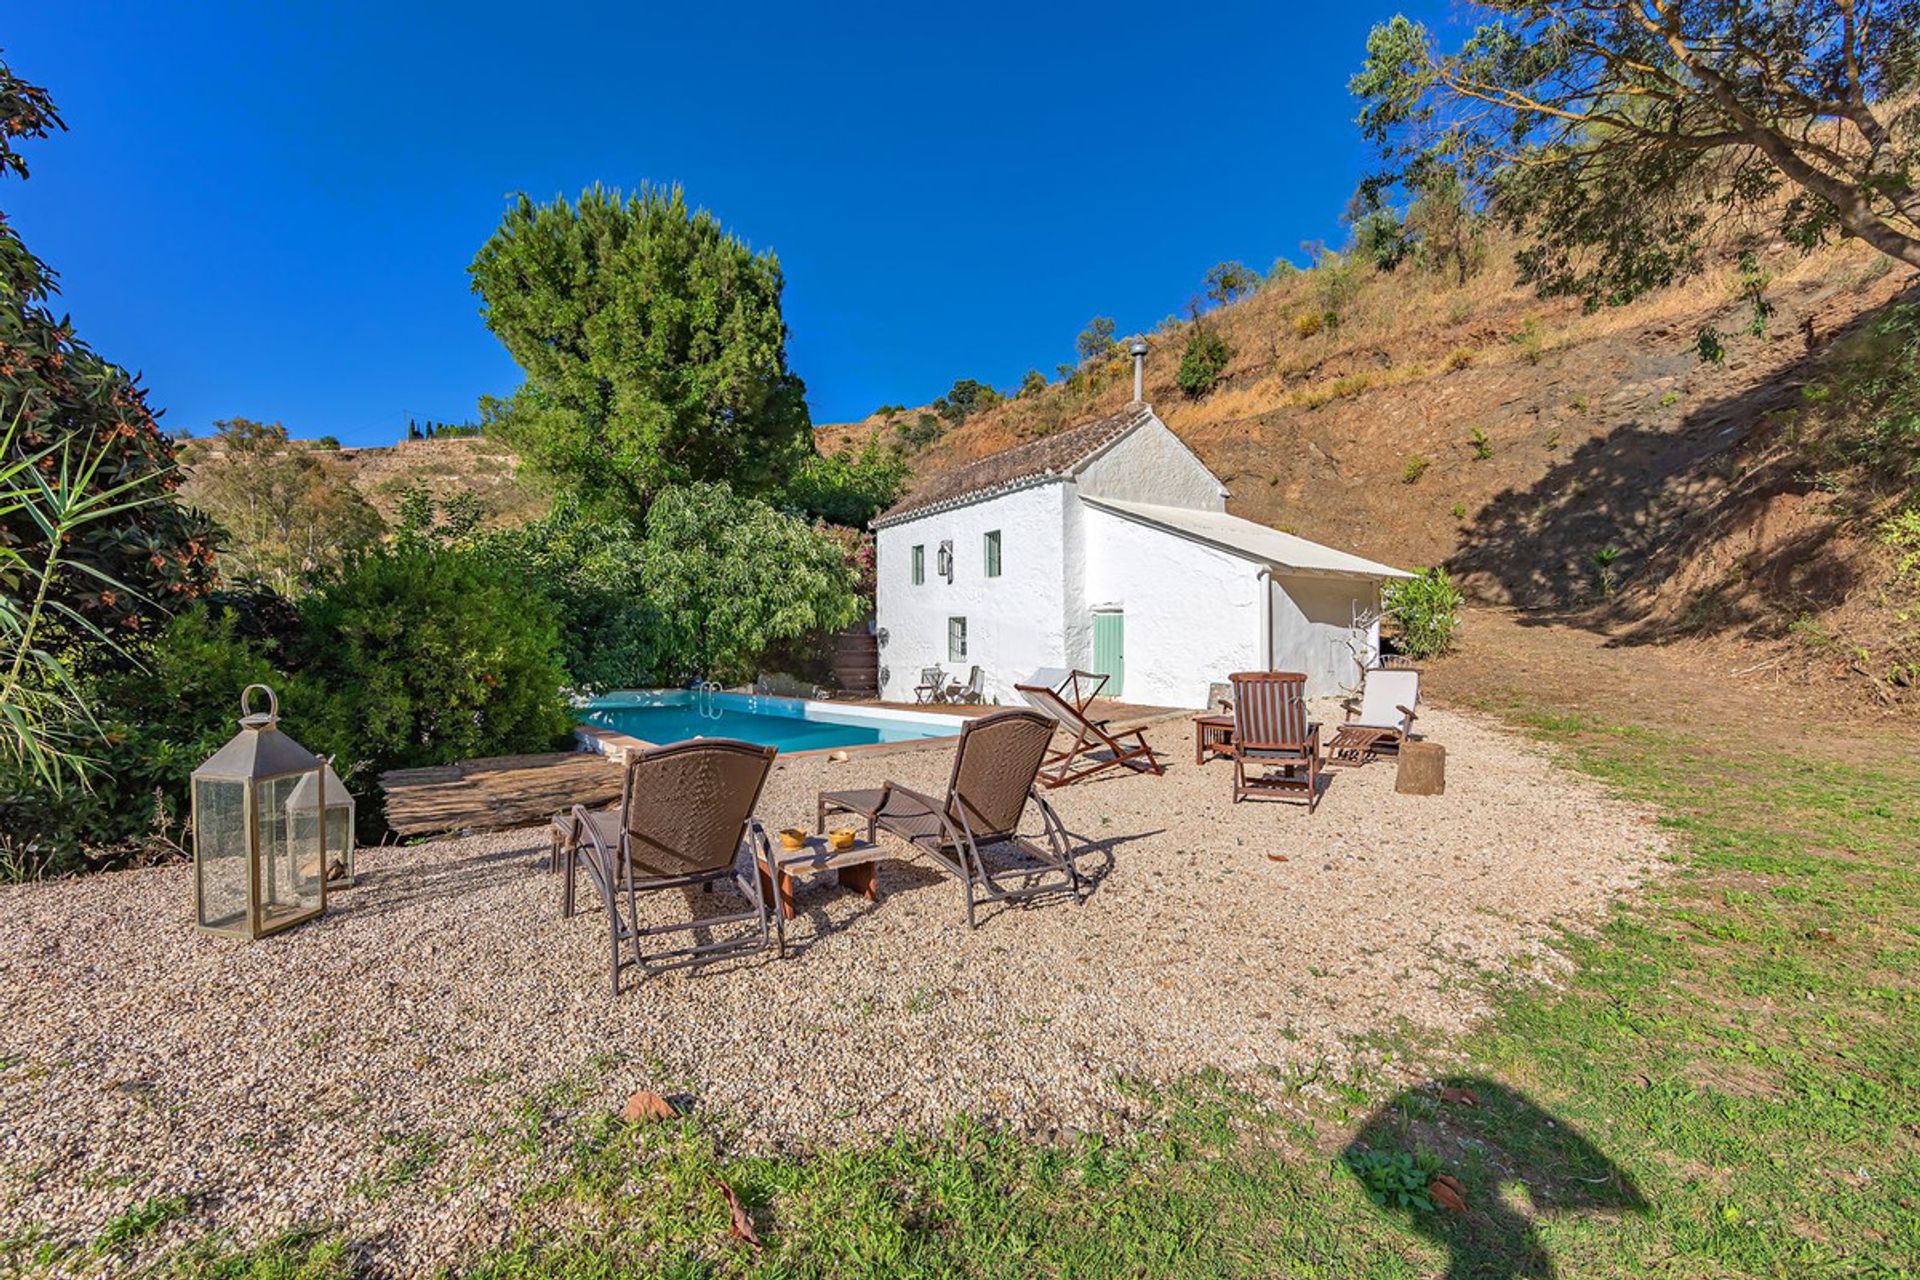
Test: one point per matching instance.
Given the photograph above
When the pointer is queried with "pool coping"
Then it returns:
(619, 747)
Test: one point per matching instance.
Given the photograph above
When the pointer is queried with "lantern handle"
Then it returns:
(246, 703)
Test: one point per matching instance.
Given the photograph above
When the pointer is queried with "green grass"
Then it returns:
(1726, 1084)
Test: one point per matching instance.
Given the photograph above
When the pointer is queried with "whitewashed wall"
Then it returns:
(1313, 627)
(1192, 611)
(1014, 622)
(1150, 464)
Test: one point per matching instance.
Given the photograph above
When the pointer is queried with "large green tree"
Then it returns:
(653, 345)
(1620, 136)
(728, 576)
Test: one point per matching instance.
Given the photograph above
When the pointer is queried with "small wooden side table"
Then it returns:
(1212, 736)
(855, 868)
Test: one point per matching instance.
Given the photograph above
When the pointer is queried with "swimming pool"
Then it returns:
(791, 724)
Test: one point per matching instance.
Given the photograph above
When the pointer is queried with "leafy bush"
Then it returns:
(1379, 238)
(588, 569)
(157, 725)
(921, 432)
(1425, 610)
(1308, 323)
(1482, 446)
(848, 488)
(1416, 467)
(1205, 360)
(728, 576)
(429, 655)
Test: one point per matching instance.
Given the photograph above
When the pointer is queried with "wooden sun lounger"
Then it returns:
(1081, 758)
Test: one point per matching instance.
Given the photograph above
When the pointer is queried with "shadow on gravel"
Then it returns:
(1501, 1151)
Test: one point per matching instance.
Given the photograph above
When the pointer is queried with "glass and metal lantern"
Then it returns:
(306, 808)
(257, 867)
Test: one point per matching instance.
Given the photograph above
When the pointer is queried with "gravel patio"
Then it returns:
(272, 1083)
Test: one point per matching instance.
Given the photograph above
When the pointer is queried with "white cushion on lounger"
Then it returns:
(1382, 693)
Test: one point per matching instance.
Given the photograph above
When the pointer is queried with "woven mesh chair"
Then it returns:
(994, 768)
(685, 819)
(1271, 735)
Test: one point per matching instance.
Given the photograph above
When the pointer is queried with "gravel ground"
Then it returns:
(276, 1083)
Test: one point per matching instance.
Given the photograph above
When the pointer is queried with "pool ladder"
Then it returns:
(703, 699)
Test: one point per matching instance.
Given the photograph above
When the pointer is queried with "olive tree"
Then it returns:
(1620, 136)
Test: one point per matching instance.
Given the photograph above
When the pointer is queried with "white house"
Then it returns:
(1108, 547)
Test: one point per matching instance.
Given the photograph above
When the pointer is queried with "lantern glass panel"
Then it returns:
(222, 861)
(290, 857)
(340, 843)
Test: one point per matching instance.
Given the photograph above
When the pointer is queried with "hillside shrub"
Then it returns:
(1425, 610)
(1206, 358)
(427, 655)
(1227, 281)
(1308, 323)
(1416, 467)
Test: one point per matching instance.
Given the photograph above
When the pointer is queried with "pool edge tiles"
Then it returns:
(617, 744)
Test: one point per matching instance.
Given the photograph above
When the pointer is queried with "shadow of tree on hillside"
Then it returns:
(1626, 512)
(1502, 1147)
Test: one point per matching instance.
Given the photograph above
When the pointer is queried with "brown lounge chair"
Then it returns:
(685, 819)
(1127, 748)
(1271, 734)
(993, 779)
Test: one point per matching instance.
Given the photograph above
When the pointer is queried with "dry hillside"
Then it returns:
(442, 467)
(1587, 463)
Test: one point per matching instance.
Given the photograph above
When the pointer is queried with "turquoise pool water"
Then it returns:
(791, 724)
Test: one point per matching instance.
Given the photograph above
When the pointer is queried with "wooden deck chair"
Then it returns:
(1082, 757)
(685, 819)
(994, 768)
(974, 690)
(1077, 687)
(932, 686)
(1380, 718)
(1271, 734)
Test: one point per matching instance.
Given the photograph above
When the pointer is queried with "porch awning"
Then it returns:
(1283, 551)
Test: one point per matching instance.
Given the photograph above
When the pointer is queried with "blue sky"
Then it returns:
(271, 214)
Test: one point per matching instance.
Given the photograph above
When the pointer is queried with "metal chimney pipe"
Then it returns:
(1139, 370)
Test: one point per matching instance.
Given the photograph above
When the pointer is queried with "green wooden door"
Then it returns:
(1110, 650)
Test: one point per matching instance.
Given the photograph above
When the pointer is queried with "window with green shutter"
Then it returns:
(956, 639)
(993, 554)
(919, 565)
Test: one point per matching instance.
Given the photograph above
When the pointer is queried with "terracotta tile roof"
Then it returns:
(1058, 454)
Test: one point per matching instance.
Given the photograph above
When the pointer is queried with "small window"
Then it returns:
(956, 639)
(993, 554)
(919, 565)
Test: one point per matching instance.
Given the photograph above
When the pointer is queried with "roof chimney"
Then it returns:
(1139, 370)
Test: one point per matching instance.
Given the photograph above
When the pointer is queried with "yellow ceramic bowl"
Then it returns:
(841, 841)
(793, 838)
